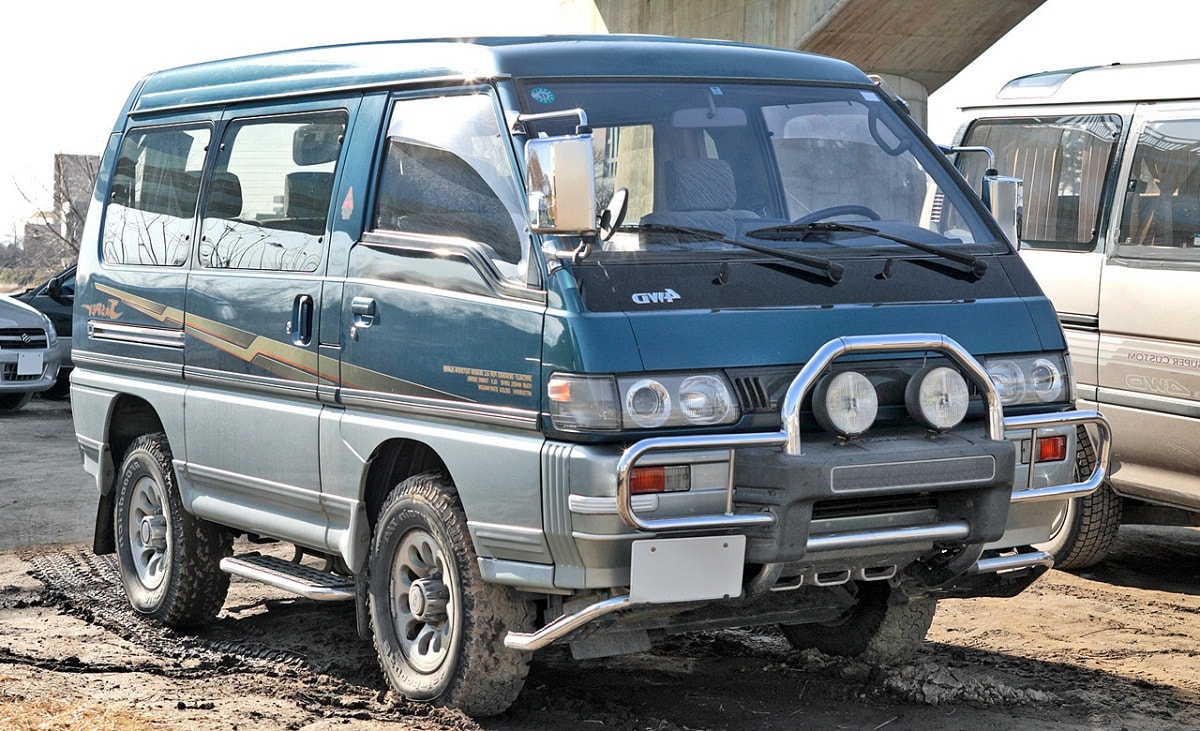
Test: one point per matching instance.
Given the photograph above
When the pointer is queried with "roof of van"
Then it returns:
(1161, 80)
(394, 63)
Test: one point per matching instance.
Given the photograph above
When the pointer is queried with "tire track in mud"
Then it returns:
(88, 587)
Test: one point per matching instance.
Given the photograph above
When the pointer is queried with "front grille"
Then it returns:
(882, 505)
(22, 338)
(9, 375)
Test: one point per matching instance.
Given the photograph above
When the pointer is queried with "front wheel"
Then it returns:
(14, 401)
(169, 559)
(874, 628)
(438, 627)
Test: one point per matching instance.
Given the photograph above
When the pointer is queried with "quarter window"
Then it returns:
(152, 201)
(268, 200)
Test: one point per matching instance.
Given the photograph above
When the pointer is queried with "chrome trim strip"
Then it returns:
(249, 382)
(953, 531)
(459, 411)
(1149, 402)
(160, 337)
(564, 625)
(1087, 323)
(586, 505)
(107, 361)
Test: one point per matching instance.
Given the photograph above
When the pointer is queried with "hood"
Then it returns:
(17, 314)
(750, 313)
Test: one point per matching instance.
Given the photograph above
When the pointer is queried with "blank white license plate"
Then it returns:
(687, 569)
(29, 364)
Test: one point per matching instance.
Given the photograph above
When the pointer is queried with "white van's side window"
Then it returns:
(447, 172)
(1161, 218)
(152, 202)
(1064, 163)
(268, 200)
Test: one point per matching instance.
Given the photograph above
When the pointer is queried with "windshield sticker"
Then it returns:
(715, 91)
(542, 95)
(667, 296)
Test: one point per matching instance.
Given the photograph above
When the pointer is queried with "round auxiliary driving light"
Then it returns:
(845, 404)
(937, 396)
(648, 403)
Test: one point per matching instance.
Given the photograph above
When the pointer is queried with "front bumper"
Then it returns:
(968, 498)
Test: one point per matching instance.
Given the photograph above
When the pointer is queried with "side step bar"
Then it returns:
(292, 577)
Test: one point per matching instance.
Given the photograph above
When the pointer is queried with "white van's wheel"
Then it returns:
(1085, 528)
(438, 627)
(873, 629)
(169, 559)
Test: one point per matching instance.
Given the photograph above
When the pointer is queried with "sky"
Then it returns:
(68, 66)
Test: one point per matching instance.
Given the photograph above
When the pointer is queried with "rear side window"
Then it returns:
(1161, 218)
(1064, 162)
(447, 171)
(267, 202)
(152, 200)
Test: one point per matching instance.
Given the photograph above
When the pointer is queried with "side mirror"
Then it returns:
(560, 184)
(1004, 197)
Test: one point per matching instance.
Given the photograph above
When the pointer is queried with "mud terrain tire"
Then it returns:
(438, 627)
(169, 559)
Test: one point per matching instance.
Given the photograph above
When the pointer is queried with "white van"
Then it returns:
(1110, 158)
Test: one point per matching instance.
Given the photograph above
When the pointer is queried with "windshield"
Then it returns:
(709, 161)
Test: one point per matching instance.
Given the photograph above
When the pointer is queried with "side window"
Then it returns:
(267, 203)
(447, 171)
(1161, 219)
(1064, 163)
(152, 202)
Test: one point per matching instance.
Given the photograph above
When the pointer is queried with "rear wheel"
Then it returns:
(874, 629)
(438, 627)
(169, 559)
(1085, 528)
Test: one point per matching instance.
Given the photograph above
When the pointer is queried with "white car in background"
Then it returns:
(30, 353)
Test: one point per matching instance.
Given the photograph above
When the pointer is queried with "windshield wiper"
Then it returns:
(798, 231)
(831, 269)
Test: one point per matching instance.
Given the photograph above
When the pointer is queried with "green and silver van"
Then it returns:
(579, 340)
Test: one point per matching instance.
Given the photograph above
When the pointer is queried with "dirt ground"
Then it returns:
(1112, 648)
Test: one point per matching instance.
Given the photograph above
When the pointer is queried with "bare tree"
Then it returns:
(57, 232)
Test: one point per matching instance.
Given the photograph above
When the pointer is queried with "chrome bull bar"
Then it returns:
(788, 437)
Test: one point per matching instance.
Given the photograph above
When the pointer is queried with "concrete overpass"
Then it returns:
(915, 45)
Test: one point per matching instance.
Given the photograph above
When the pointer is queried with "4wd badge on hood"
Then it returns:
(649, 298)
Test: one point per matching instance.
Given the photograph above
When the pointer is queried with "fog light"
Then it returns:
(937, 396)
(846, 403)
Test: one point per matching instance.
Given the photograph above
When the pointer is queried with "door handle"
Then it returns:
(363, 309)
(300, 327)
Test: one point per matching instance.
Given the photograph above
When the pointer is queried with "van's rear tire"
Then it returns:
(1086, 527)
(873, 629)
(169, 559)
(438, 626)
